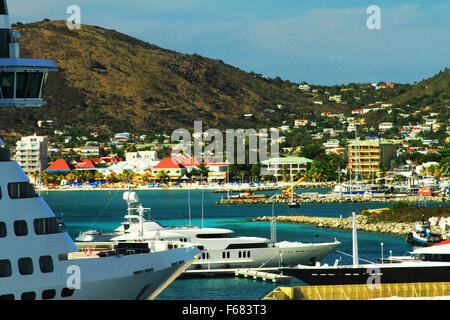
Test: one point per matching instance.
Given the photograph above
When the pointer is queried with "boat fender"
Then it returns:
(87, 251)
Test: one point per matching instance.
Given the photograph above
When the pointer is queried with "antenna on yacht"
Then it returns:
(354, 241)
(202, 207)
(189, 206)
(141, 222)
(273, 225)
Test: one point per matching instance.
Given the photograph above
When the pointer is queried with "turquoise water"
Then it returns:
(104, 210)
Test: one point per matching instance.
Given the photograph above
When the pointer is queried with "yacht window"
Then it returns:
(247, 245)
(213, 235)
(25, 266)
(5, 268)
(46, 226)
(28, 296)
(46, 264)
(20, 228)
(66, 292)
(21, 190)
(2, 230)
(48, 294)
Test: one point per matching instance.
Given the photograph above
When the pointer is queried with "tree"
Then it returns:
(162, 176)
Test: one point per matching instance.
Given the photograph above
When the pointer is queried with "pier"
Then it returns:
(384, 291)
(264, 274)
(331, 198)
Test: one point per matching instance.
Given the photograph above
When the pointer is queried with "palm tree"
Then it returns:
(162, 176)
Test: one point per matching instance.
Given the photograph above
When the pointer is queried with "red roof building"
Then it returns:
(59, 165)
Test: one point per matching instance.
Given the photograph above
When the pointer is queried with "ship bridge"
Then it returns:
(22, 81)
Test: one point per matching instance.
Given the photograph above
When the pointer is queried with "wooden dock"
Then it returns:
(265, 274)
(262, 275)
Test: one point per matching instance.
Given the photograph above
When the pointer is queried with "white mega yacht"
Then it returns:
(37, 259)
(220, 249)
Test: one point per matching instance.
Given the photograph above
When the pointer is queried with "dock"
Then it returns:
(262, 275)
(265, 274)
(384, 291)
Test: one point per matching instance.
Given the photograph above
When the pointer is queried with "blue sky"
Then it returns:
(321, 42)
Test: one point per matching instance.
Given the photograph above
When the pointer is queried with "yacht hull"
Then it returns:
(370, 274)
(127, 277)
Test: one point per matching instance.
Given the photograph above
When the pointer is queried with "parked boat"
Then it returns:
(422, 236)
(430, 264)
(220, 249)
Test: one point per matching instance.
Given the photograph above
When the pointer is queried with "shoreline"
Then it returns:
(225, 188)
(362, 224)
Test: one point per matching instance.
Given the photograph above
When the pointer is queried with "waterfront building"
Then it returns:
(146, 155)
(171, 167)
(280, 167)
(368, 158)
(218, 171)
(32, 154)
(90, 149)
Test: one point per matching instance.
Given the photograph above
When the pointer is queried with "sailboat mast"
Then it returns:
(354, 241)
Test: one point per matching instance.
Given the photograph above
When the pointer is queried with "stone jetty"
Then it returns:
(362, 224)
(329, 198)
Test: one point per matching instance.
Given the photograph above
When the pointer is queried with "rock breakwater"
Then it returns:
(362, 224)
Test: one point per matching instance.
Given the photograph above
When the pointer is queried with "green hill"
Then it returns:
(111, 82)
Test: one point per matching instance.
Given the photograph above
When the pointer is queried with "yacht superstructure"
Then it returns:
(220, 249)
(37, 259)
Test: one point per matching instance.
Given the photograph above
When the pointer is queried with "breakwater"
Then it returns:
(362, 224)
(327, 198)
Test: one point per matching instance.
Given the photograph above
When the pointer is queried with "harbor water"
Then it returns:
(104, 210)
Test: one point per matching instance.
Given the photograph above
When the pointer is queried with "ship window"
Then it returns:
(2, 230)
(28, 85)
(46, 226)
(7, 297)
(5, 268)
(3, 7)
(28, 296)
(66, 292)
(21, 190)
(46, 264)
(25, 266)
(48, 294)
(7, 84)
(20, 228)
(247, 245)
(212, 235)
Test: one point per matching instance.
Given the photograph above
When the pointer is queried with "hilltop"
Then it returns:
(110, 82)
(113, 82)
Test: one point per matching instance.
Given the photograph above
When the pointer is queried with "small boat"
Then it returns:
(422, 236)
(295, 204)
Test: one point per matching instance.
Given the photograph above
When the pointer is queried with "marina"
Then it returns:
(104, 210)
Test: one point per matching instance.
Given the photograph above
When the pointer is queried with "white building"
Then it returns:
(384, 126)
(146, 155)
(32, 153)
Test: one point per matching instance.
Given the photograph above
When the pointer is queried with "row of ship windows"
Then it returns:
(20, 190)
(25, 266)
(46, 295)
(227, 255)
(41, 226)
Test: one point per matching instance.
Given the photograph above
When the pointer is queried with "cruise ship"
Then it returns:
(37, 259)
(220, 249)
